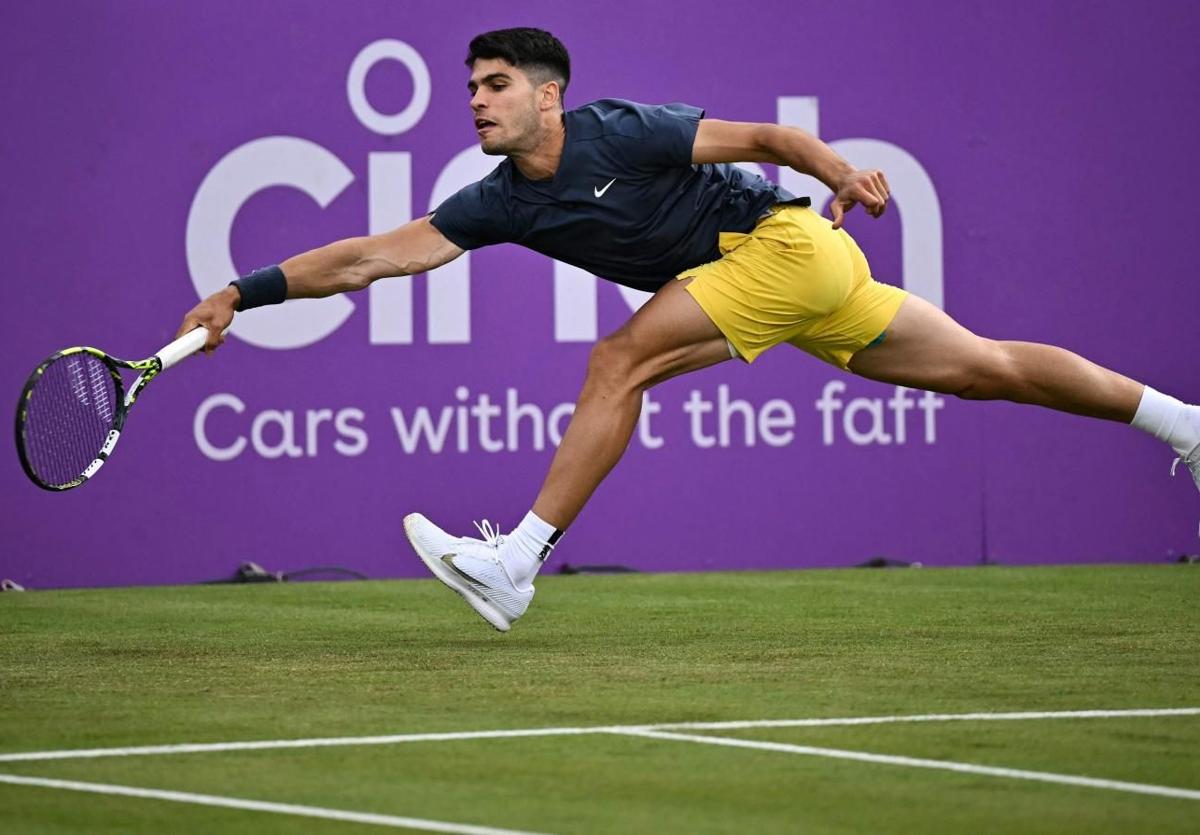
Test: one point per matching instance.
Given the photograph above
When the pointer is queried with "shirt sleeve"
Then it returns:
(471, 218)
(668, 132)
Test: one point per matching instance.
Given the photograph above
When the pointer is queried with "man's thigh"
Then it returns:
(670, 335)
(922, 348)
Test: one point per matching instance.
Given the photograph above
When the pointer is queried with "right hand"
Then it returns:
(214, 313)
(867, 187)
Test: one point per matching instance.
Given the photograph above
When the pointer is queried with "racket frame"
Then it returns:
(150, 367)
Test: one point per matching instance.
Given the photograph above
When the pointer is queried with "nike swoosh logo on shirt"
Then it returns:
(600, 191)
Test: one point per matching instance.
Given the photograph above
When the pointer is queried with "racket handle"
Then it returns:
(184, 346)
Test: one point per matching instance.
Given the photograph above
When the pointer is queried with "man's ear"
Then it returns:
(551, 95)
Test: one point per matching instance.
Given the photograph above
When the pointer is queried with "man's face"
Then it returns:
(504, 103)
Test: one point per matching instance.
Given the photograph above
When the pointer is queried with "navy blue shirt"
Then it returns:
(626, 202)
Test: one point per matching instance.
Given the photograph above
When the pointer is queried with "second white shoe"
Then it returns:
(1191, 460)
(471, 567)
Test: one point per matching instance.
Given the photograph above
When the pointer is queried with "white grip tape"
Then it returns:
(184, 346)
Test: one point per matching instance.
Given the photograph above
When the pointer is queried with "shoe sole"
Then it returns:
(483, 607)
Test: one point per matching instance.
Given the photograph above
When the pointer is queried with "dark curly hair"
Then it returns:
(535, 51)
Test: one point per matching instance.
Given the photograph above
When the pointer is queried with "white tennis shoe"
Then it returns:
(472, 567)
(1191, 460)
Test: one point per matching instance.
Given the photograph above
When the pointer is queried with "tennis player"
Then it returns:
(645, 196)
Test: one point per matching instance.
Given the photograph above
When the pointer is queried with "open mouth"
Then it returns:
(481, 125)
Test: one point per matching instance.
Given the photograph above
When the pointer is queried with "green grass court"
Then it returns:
(224, 664)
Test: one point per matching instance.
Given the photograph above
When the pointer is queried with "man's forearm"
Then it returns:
(805, 153)
(353, 263)
(338, 267)
(350, 264)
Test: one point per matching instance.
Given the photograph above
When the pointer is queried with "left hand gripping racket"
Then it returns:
(74, 405)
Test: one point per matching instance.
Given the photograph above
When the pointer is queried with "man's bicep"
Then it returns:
(721, 141)
(415, 247)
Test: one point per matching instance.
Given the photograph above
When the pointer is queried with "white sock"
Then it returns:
(528, 547)
(1169, 420)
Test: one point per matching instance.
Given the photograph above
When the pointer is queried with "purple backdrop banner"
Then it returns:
(1040, 158)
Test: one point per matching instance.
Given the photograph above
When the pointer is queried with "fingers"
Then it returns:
(875, 197)
(212, 341)
(881, 188)
(870, 188)
(874, 193)
(215, 339)
(836, 211)
(214, 314)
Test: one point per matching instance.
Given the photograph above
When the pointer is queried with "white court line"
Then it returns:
(914, 762)
(262, 806)
(319, 742)
(929, 717)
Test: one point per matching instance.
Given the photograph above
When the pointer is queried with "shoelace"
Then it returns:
(1186, 459)
(491, 536)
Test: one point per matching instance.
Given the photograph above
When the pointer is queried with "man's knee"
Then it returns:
(988, 373)
(612, 361)
(624, 361)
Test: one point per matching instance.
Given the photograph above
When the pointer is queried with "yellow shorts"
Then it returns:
(794, 279)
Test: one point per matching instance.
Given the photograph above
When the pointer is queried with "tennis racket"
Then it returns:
(74, 405)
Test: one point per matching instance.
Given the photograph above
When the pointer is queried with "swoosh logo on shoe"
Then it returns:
(448, 559)
(600, 191)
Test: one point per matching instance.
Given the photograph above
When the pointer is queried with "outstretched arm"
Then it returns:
(720, 141)
(339, 267)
